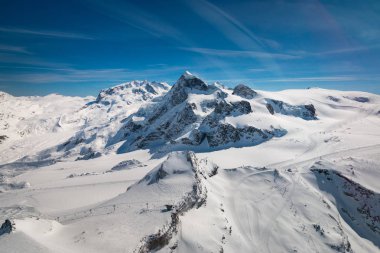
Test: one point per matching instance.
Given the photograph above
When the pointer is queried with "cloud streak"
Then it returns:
(72, 75)
(232, 28)
(13, 49)
(54, 34)
(134, 16)
(316, 79)
(242, 53)
(251, 45)
(346, 50)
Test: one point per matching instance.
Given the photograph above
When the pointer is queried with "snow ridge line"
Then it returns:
(195, 198)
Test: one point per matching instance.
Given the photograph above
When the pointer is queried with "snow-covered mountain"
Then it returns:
(78, 121)
(193, 167)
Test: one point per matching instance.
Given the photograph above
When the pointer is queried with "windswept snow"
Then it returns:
(195, 167)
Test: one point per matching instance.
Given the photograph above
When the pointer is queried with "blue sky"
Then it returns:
(77, 47)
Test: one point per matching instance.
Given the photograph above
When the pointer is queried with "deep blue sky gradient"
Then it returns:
(76, 47)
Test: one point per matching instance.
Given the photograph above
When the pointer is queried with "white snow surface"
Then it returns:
(314, 189)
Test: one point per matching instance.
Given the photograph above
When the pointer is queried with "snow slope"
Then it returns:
(112, 174)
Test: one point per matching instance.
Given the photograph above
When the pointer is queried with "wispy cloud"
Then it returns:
(137, 17)
(26, 60)
(346, 50)
(316, 79)
(255, 70)
(241, 53)
(250, 44)
(231, 27)
(311, 79)
(107, 76)
(55, 34)
(13, 49)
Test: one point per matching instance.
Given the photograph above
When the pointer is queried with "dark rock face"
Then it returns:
(184, 85)
(244, 91)
(236, 108)
(7, 227)
(192, 82)
(158, 113)
(335, 99)
(150, 89)
(179, 95)
(358, 205)
(306, 112)
(359, 99)
(127, 164)
(133, 126)
(183, 119)
(171, 127)
(89, 154)
(311, 109)
(270, 108)
(160, 174)
(144, 142)
(224, 109)
(3, 138)
(225, 134)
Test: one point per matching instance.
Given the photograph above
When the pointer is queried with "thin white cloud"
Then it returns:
(255, 70)
(241, 53)
(73, 75)
(316, 79)
(231, 27)
(56, 34)
(311, 79)
(13, 49)
(240, 35)
(134, 16)
(28, 61)
(346, 50)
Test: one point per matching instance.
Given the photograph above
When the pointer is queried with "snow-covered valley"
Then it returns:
(193, 167)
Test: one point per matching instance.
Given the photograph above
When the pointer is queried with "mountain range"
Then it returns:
(190, 167)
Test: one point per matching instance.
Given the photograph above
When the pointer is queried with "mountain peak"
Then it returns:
(188, 80)
(139, 90)
(187, 83)
(188, 75)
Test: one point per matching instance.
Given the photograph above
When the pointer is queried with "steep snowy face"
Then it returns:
(193, 114)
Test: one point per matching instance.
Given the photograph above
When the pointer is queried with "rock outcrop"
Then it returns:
(7, 227)
(306, 112)
(244, 91)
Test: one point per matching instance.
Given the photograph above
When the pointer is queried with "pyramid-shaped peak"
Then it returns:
(188, 75)
(188, 80)
(187, 83)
